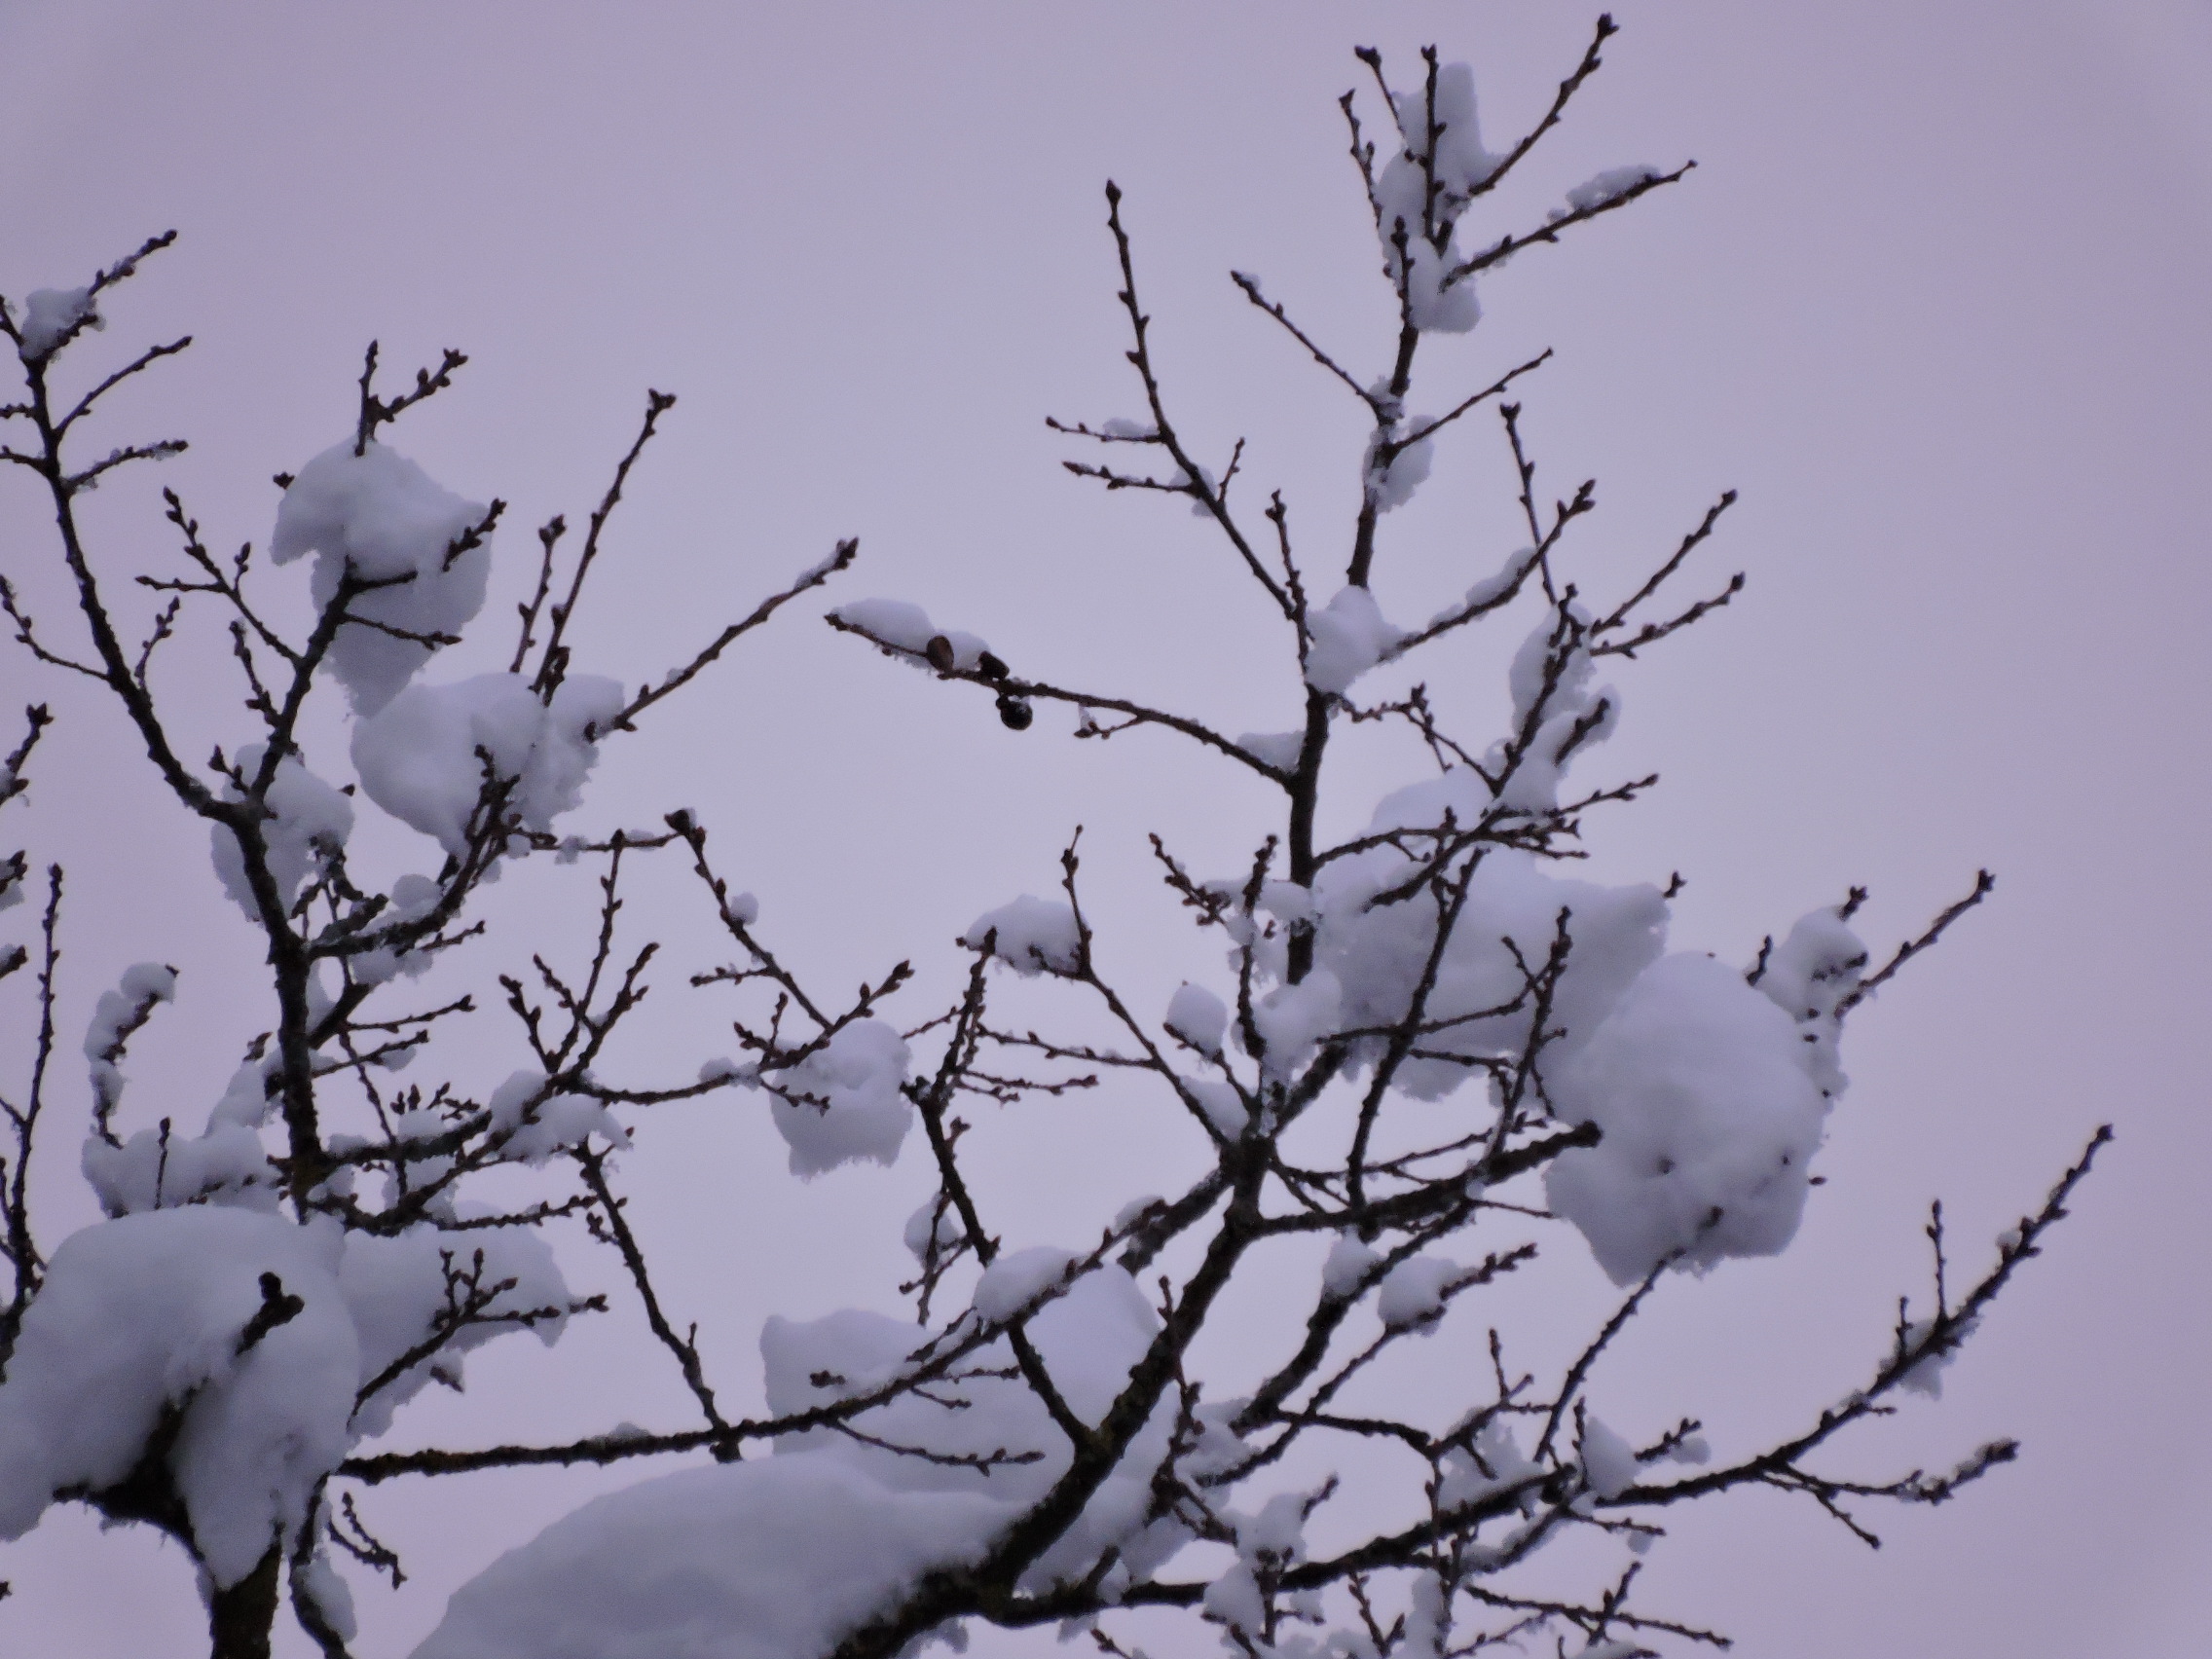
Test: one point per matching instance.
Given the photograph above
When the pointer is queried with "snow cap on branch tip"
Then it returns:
(309, 823)
(1710, 1121)
(1345, 639)
(537, 1121)
(1412, 1293)
(843, 1103)
(906, 629)
(1199, 1017)
(148, 1312)
(1032, 936)
(49, 316)
(379, 518)
(422, 756)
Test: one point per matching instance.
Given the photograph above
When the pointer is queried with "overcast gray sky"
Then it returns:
(1933, 301)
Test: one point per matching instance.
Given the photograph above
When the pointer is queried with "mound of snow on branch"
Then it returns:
(781, 1558)
(142, 1317)
(842, 1103)
(308, 821)
(49, 317)
(1032, 936)
(1345, 637)
(772, 1560)
(222, 1350)
(1453, 141)
(154, 1169)
(421, 758)
(906, 627)
(1710, 1117)
(1376, 940)
(381, 518)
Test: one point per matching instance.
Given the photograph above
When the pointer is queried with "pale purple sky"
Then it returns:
(1933, 302)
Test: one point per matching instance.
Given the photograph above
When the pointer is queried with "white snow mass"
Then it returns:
(1711, 1119)
(842, 1103)
(146, 1312)
(419, 756)
(49, 314)
(1378, 949)
(1346, 638)
(308, 822)
(897, 623)
(780, 1558)
(1460, 164)
(1032, 936)
(1198, 1017)
(381, 517)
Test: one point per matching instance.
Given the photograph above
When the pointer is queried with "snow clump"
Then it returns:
(1710, 1118)
(395, 1291)
(1033, 935)
(1491, 590)
(252, 1335)
(1279, 749)
(780, 1558)
(119, 1013)
(907, 628)
(1291, 1020)
(1393, 486)
(537, 1121)
(1378, 946)
(421, 757)
(1562, 708)
(150, 1312)
(1453, 143)
(308, 825)
(1610, 1466)
(382, 518)
(1810, 975)
(1348, 1263)
(1220, 1103)
(1198, 1017)
(934, 1228)
(49, 316)
(1018, 1278)
(1604, 187)
(154, 1169)
(777, 1559)
(842, 1103)
(1412, 1293)
(1266, 1543)
(1346, 638)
